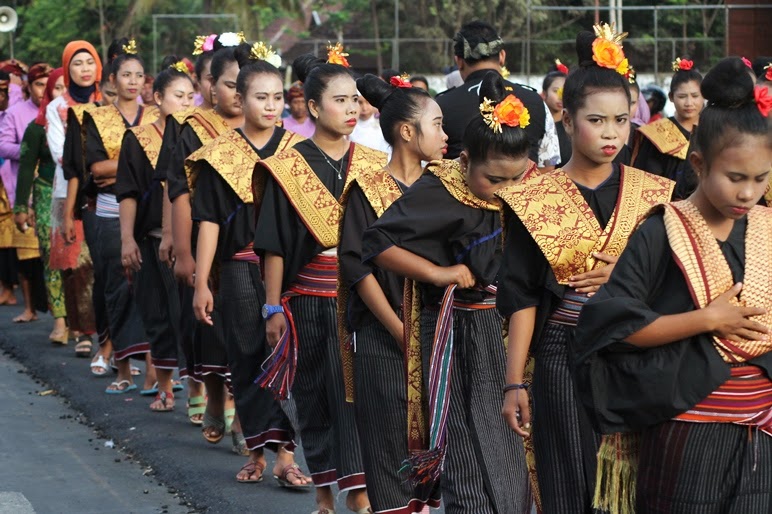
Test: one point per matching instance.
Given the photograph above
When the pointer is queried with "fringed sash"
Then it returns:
(381, 190)
(427, 450)
(707, 272)
(318, 278)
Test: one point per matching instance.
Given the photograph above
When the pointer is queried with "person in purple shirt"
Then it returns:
(298, 121)
(12, 127)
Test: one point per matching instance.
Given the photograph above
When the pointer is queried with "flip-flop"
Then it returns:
(295, 470)
(196, 406)
(99, 363)
(163, 397)
(150, 392)
(252, 468)
(229, 415)
(117, 390)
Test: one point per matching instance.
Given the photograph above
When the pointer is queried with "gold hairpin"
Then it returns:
(131, 47)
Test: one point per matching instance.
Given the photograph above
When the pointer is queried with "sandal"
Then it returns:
(196, 407)
(239, 444)
(253, 468)
(216, 423)
(62, 339)
(83, 347)
(120, 390)
(163, 397)
(229, 415)
(292, 469)
(150, 392)
(177, 386)
(100, 362)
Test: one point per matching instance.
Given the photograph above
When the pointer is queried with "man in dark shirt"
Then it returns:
(478, 50)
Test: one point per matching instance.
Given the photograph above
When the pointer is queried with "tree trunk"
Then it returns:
(377, 36)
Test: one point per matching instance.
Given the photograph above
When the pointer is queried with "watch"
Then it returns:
(270, 310)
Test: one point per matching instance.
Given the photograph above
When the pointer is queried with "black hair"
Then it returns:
(731, 112)
(681, 77)
(117, 56)
(388, 73)
(657, 95)
(396, 104)
(550, 77)
(168, 74)
(221, 59)
(203, 59)
(315, 74)
(475, 33)
(249, 67)
(419, 78)
(480, 140)
(589, 78)
(759, 63)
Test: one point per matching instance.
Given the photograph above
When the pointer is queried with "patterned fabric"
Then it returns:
(150, 139)
(705, 269)
(207, 124)
(233, 158)
(319, 210)
(567, 311)
(41, 202)
(7, 225)
(666, 137)
(318, 278)
(563, 225)
(110, 124)
(381, 190)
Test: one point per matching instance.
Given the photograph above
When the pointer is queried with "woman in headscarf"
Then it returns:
(81, 71)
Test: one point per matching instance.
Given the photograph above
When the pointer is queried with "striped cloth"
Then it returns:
(318, 278)
(106, 206)
(567, 312)
(744, 399)
(246, 254)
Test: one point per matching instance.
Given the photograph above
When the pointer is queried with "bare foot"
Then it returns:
(7, 297)
(25, 317)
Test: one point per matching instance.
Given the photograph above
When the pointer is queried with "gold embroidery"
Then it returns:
(449, 172)
(78, 110)
(555, 213)
(319, 210)
(234, 159)
(150, 139)
(110, 125)
(207, 125)
(706, 270)
(381, 190)
(666, 137)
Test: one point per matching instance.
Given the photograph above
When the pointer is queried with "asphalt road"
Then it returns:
(53, 454)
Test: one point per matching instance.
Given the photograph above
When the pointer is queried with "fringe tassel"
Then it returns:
(616, 473)
(425, 467)
(279, 368)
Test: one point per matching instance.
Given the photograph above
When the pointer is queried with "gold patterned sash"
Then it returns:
(666, 137)
(708, 275)
(78, 110)
(231, 155)
(150, 139)
(207, 125)
(563, 225)
(381, 190)
(110, 125)
(319, 210)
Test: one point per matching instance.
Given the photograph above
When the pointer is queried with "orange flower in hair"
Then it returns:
(562, 68)
(336, 55)
(510, 112)
(763, 100)
(682, 64)
(607, 49)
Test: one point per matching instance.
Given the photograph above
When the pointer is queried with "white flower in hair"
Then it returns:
(265, 52)
(274, 59)
(231, 38)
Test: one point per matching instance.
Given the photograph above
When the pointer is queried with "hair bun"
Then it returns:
(168, 61)
(242, 53)
(493, 87)
(728, 84)
(375, 90)
(116, 48)
(304, 64)
(584, 41)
